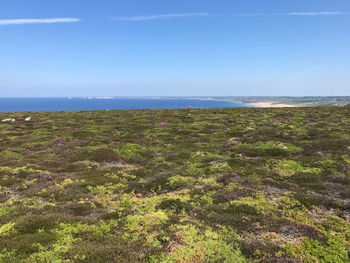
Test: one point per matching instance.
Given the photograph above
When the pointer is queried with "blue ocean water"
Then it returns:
(70, 104)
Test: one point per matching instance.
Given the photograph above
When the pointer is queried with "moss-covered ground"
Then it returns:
(213, 185)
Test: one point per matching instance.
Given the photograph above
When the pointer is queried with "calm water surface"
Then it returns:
(66, 104)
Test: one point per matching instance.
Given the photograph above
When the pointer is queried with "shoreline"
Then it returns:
(261, 104)
(271, 105)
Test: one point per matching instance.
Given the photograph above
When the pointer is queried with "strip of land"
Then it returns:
(272, 105)
(282, 102)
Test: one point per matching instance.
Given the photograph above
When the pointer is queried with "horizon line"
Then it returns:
(195, 96)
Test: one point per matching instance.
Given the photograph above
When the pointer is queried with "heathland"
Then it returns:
(193, 185)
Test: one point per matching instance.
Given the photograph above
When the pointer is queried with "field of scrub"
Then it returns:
(182, 186)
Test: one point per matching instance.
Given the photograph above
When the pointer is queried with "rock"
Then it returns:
(235, 140)
(8, 120)
(28, 119)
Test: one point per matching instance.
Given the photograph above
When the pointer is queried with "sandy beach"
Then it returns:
(272, 105)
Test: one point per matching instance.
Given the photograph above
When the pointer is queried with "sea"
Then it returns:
(79, 104)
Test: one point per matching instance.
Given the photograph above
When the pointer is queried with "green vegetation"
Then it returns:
(182, 186)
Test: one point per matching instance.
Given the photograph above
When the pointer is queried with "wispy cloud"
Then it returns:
(318, 14)
(184, 15)
(5, 22)
(296, 14)
(154, 17)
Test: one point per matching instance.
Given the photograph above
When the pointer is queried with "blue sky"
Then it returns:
(174, 48)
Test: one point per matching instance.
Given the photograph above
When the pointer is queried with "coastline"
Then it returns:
(261, 104)
(271, 105)
(248, 104)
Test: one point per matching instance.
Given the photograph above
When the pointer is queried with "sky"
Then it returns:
(174, 48)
